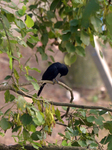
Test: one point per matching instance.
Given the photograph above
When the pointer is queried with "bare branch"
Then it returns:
(29, 147)
(3, 88)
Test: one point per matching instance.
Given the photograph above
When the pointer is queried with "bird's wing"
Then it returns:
(50, 73)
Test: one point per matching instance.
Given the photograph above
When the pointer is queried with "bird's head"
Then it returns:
(63, 70)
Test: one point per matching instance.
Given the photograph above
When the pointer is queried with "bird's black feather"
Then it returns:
(51, 73)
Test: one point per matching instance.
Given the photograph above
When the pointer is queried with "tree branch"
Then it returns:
(30, 147)
(10, 87)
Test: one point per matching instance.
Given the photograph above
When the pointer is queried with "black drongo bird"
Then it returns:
(52, 71)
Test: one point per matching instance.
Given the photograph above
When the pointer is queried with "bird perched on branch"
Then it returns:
(52, 71)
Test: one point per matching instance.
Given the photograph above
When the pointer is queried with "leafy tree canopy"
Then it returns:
(72, 25)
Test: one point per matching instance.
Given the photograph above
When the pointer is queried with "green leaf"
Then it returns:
(58, 24)
(28, 68)
(36, 69)
(6, 22)
(80, 51)
(76, 133)
(44, 56)
(36, 58)
(74, 22)
(23, 89)
(33, 6)
(36, 145)
(2, 134)
(26, 134)
(93, 145)
(12, 97)
(21, 103)
(101, 54)
(8, 1)
(8, 77)
(42, 52)
(66, 36)
(96, 22)
(20, 24)
(110, 7)
(106, 139)
(70, 59)
(58, 115)
(91, 118)
(10, 17)
(83, 130)
(5, 124)
(109, 18)
(82, 143)
(108, 126)
(51, 34)
(54, 4)
(44, 38)
(32, 128)
(102, 112)
(36, 121)
(10, 60)
(61, 134)
(109, 146)
(40, 117)
(95, 129)
(26, 119)
(99, 120)
(52, 58)
(85, 38)
(50, 14)
(29, 21)
(70, 47)
(1, 113)
(64, 143)
(30, 78)
(68, 135)
(95, 112)
(35, 85)
(33, 39)
(36, 135)
(8, 97)
(22, 11)
(16, 75)
(16, 128)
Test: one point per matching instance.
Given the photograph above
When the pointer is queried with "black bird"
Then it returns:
(52, 71)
